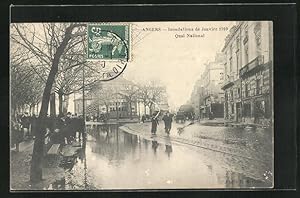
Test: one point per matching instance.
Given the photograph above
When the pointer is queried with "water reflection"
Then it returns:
(154, 146)
(113, 159)
(169, 150)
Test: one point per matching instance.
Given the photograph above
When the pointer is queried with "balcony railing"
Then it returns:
(252, 64)
(229, 79)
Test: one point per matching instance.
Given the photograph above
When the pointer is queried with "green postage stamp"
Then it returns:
(108, 42)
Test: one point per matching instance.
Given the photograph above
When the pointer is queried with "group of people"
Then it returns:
(167, 118)
(59, 129)
(23, 126)
(97, 118)
(65, 128)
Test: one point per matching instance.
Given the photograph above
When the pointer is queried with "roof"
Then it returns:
(115, 84)
(229, 37)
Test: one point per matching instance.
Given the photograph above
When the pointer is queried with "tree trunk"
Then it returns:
(30, 108)
(38, 147)
(107, 114)
(52, 105)
(139, 105)
(145, 108)
(60, 103)
(117, 108)
(66, 102)
(37, 108)
(130, 111)
(150, 109)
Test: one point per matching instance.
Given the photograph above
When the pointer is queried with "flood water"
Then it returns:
(113, 159)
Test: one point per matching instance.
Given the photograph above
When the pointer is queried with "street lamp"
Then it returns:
(83, 99)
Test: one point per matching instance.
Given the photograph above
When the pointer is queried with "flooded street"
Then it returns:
(114, 159)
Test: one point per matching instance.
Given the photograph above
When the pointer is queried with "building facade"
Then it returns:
(109, 99)
(248, 72)
(207, 97)
(212, 94)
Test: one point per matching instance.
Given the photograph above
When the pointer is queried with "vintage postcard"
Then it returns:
(141, 105)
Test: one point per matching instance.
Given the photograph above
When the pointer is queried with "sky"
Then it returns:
(176, 62)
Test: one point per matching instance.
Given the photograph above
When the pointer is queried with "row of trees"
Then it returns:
(148, 94)
(33, 47)
(46, 58)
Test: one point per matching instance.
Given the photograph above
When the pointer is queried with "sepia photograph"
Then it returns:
(141, 105)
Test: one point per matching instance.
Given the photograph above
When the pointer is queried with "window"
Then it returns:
(246, 90)
(247, 110)
(245, 34)
(257, 32)
(246, 54)
(230, 64)
(237, 62)
(238, 92)
(237, 43)
(258, 86)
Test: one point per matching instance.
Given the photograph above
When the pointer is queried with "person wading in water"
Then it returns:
(168, 122)
(154, 122)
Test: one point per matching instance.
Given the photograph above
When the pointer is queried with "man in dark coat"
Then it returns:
(168, 122)
(25, 121)
(81, 127)
(154, 122)
(33, 124)
(68, 128)
(143, 118)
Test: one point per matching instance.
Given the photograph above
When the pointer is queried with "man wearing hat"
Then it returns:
(168, 122)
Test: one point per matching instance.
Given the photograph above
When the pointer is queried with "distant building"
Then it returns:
(109, 100)
(207, 96)
(196, 96)
(248, 72)
(213, 95)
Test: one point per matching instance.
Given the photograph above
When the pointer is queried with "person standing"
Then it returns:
(154, 122)
(68, 128)
(143, 118)
(16, 133)
(168, 122)
(25, 120)
(58, 136)
(33, 125)
(81, 127)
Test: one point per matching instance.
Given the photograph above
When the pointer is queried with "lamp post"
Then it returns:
(83, 100)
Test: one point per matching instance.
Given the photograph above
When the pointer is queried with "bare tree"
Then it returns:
(129, 93)
(151, 93)
(25, 90)
(47, 43)
(143, 95)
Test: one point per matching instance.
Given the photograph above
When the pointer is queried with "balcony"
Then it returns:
(255, 63)
(228, 82)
